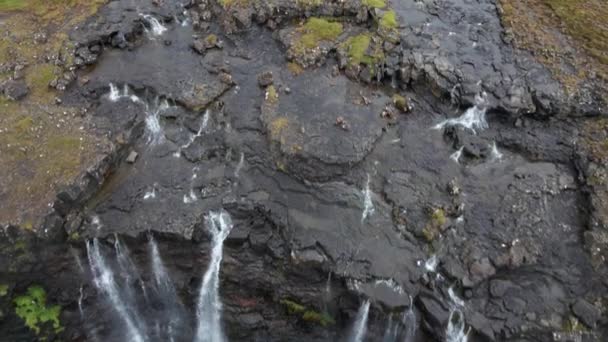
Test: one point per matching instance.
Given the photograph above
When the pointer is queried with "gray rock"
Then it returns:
(15, 90)
(586, 312)
(265, 79)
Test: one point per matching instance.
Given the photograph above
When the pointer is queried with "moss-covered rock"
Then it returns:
(310, 42)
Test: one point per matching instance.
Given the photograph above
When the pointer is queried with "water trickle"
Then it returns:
(455, 331)
(96, 222)
(103, 277)
(360, 326)
(114, 94)
(190, 197)
(454, 298)
(409, 322)
(80, 298)
(456, 155)
(473, 118)
(209, 307)
(239, 166)
(368, 204)
(150, 194)
(495, 155)
(431, 264)
(156, 27)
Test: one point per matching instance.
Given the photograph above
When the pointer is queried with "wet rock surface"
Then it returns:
(340, 187)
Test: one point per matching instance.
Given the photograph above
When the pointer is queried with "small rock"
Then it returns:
(586, 312)
(265, 79)
(226, 78)
(15, 90)
(481, 270)
(287, 90)
(40, 38)
(132, 157)
(341, 122)
(499, 287)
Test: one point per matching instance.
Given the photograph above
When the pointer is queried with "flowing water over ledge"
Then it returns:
(305, 212)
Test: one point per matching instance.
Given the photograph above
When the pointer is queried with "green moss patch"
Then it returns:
(3, 290)
(359, 50)
(374, 3)
(307, 315)
(316, 30)
(388, 21)
(32, 308)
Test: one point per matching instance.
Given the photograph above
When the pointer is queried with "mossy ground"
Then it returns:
(570, 37)
(313, 32)
(360, 50)
(42, 145)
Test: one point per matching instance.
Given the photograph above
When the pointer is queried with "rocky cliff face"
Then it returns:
(404, 153)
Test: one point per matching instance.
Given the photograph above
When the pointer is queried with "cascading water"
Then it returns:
(495, 155)
(431, 264)
(209, 308)
(368, 204)
(360, 326)
(456, 155)
(201, 130)
(473, 118)
(390, 333)
(239, 166)
(153, 126)
(456, 328)
(156, 28)
(103, 277)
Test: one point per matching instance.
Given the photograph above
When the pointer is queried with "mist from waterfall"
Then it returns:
(219, 225)
(360, 326)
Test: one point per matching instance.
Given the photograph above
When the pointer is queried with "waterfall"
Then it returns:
(161, 277)
(473, 118)
(390, 333)
(167, 294)
(456, 155)
(103, 277)
(219, 225)
(368, 205)
(360, 326)
(156, 26)
(115, 94)
(455, 331)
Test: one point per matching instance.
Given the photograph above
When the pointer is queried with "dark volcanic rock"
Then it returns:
(586, 312)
